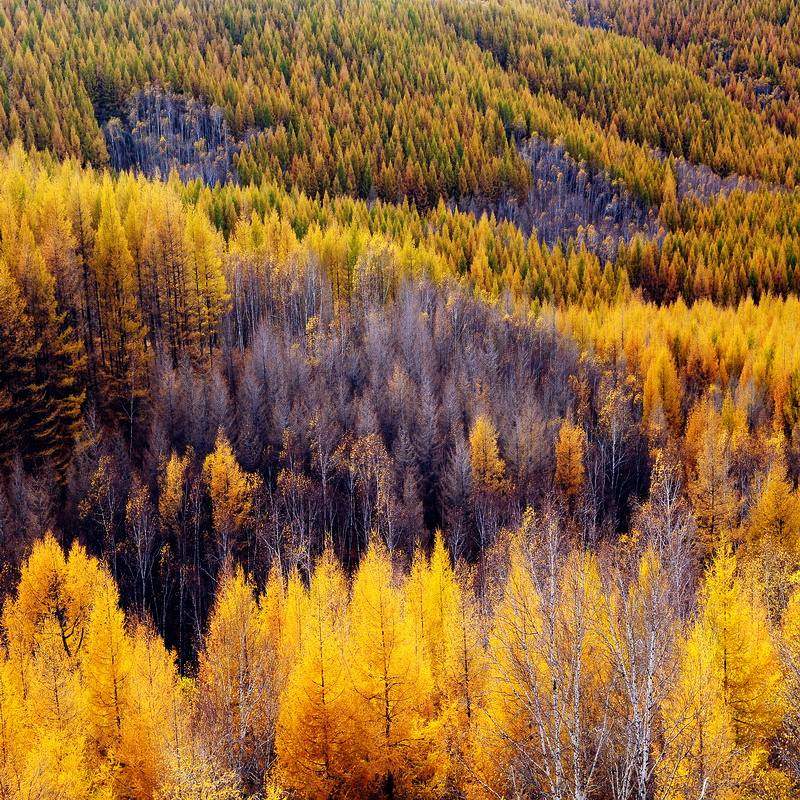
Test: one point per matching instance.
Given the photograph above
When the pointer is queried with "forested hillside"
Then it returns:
(399, 400)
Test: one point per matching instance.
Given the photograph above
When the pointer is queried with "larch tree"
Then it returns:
(662, 395)
(20, 395)
(59, 358)
(237, 702)
(121, 335)
(157, 733)
(700, 758)
(570, 474)
(448, 632)
(317, 749)
(209, 296)
(107, 662)
(233, 495)
(774, 520)
(711, 491)
(729, 698)
(752, 679)
(506, 743)
(391, 688)
(489, 480)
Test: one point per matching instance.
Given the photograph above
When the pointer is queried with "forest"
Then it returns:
(399, 400)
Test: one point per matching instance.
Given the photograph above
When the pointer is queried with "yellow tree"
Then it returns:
(318, 753)
(391, 689)
(661, 395)
(20, 394)
(121, 336)
(43, 707)
(570, 470)
(157, 729)
(752, 681)
(711, 491)
(40, 758)
(775, 517)
(43, 742)
(729, 697)
(237, 702)
(488, 468)
(95, 711)
(700, 755)
(233, 494)
(107, 664)
(489, 481)
(204, 265)
(283, 610)
(448, 633)
(505, 739)
(53, 590)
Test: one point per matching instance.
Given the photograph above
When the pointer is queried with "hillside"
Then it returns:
(399, 400)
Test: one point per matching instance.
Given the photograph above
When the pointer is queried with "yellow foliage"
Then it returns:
(318, 751)
(392, 689)
(233, 493)
(661, 397)
(488, 468)
(570, 469)
(237, 697)
(87, 710)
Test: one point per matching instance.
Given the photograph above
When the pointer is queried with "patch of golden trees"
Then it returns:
(574, 670)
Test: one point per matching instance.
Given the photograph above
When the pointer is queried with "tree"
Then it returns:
(107, 663)
(729, 696)
(237, 700)
(53, 589)
(644, 625)
(775, 517)
(545, 725)
(158, 729)
(570, 470)
(317, 747)
(661, 396)
(700, 760)
(752, 680)
(20, 395)
(209, 290)
(121, 343)
(447, 631)
(488, 469)
(391, 690)
(712, 494)
(489, 482)
(233, 495)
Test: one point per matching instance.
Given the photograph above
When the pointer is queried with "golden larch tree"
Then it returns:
(570, 473)
(233, 494)
(391, 689)
(318, 751)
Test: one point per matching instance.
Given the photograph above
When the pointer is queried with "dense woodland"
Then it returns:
(751, 48)
(399, 400)
(420, 101)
